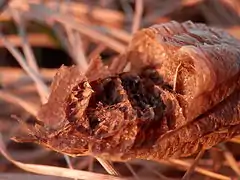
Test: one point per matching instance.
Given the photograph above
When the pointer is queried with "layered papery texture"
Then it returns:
(200, 63)
(181, 96)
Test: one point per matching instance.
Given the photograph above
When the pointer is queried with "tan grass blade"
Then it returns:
(191, 169)
(185, 165)
(231, 160)
(56, 171)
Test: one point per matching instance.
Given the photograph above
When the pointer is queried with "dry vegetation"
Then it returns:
(83, 29)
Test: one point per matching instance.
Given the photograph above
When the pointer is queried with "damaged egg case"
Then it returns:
(180, 96)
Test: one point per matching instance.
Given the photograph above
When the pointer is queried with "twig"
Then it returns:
(217, 159)
(58, 30)
(8, 97)
(55, 171)
(76, 46)
(132, 171)
(235, 140)
(100, 14)
(3, 4)
(231, 160)
(115, 18)
(138, 15)
(35, 39)
(27, 106)
(185, 165)
(27, 50)
(119, 63)
(80, 55)
(193, 166)
(27, 155)
(127, 9)
(111, 43)
(152, 167)
(97, 51)
(108, 166)
(116, 33)
(39, 12)
(20, 59)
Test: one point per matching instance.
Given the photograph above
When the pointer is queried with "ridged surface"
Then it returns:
(201, 62)
(182, 95)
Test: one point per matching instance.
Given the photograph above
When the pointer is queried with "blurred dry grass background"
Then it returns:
(37, 36)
